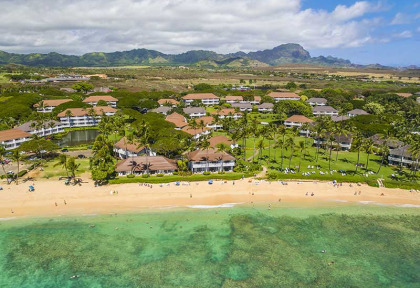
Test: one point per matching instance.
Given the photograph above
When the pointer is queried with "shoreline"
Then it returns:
(53, 198)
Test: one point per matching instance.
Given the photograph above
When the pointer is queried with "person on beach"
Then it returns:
(56, 204)
(65, 203)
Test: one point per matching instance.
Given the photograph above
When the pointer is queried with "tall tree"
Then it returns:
(2, 162)
(369, 148)
(222, 147)
(16, 156)
(358, 144)
(290, 143)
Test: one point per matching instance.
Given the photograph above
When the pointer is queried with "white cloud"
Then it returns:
(174, 26)
(402, 19)
(404, 34)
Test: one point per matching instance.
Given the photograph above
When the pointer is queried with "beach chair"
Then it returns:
(31, 188)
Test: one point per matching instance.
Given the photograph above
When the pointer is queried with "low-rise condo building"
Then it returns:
(177, 119)
(317, 101)
(324, 111)
(356, 112)
(82, 117)
(204, 98)
(401, 156)
(125, 148)
(297, 121)
(42, 129)
(281, 96)
(194, 111)
(93, 100)
(265, 107)
(13, 138)
(211, 160)
(146, 164)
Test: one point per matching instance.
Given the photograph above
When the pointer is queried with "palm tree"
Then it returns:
(145, 140)
(2, 151)
(331, 140)
(415, 152)
(260, 146)
(255, 132)
(358, 143)
(205, 145)
(62, 160)
(17, 157)
(385, 151)
(282, 132)
(290, 143)
(222, 147)
(68, 114)
(302, 148)
(369, 147)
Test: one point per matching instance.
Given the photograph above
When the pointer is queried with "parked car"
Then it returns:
(65, 150)
(81, 156)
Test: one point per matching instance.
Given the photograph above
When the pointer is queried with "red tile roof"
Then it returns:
(124, 144)
(107, 98)
(176, 119)
(52, 102)
(155, 163)
(85, 111)
(234, 98)
(299, 118)
(170, 101)
(200, 96)
(11, 134)
(193, 132)
(211, 154)
(219, 139)
(283, 95)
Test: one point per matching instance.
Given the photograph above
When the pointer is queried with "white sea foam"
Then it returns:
(390, 204)
(224, 205)
(339, 200)
(7, 218)
(408, 205)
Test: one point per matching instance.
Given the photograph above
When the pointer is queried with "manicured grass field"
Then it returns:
(51, 170)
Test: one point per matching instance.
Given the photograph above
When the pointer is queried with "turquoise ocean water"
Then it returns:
(365, 246)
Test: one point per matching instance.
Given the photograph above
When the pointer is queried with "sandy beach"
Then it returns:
(55, 198)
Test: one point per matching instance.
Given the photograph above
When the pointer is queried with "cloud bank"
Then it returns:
(173, 26)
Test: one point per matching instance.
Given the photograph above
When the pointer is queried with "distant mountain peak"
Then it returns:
(282, 54)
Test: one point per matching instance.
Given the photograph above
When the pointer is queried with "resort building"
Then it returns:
(12, 138)
(196, 133)
(162, 110)
(140, 164)
(344, 141)
(234, 99)
(298, 121)
(356, 112)
(339, 118)
(209, 122)
(215, 140)
(194, 111)
(378, 140)
(203, 160)
(177, 119)
(401, 156)
(243, 106)
(93, 100)
(126, 148)
(255, 101)
(280, 96)
(168, 102)
(265, 107)
(46, 106)
(82, 117)
(324, 111)
(317, 101)
(42, 129)
(205, 98)
(227, 113)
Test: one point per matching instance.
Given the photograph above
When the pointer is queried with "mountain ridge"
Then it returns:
(282, 54)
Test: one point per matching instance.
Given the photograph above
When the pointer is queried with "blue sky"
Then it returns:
(365, 31)
(397, 35)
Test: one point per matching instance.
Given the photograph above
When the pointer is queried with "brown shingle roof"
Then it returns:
(52, 102)
(200, 96)
(193, 132)
(201, 155)
(283, 95)
(405, 95)
(11, 134)
(170, 101)
(176, 119)
(124, 144)
(107, 98)
(225, 112)
(206, 119)
(234, 98)
(155, 163)
(299, 118)
(85, 111)
(219, 139)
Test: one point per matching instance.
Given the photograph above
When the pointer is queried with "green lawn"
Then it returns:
(263, 117)
(51, 170)
(345, 161)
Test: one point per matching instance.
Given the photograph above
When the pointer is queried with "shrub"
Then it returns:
(23, 172)
(175, 173)
(221, 172)
(206, 173)
(145, 176)
(160, 175)
(130, 176)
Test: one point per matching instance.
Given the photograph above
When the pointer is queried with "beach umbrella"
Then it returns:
(31, 188)
(210, 182)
